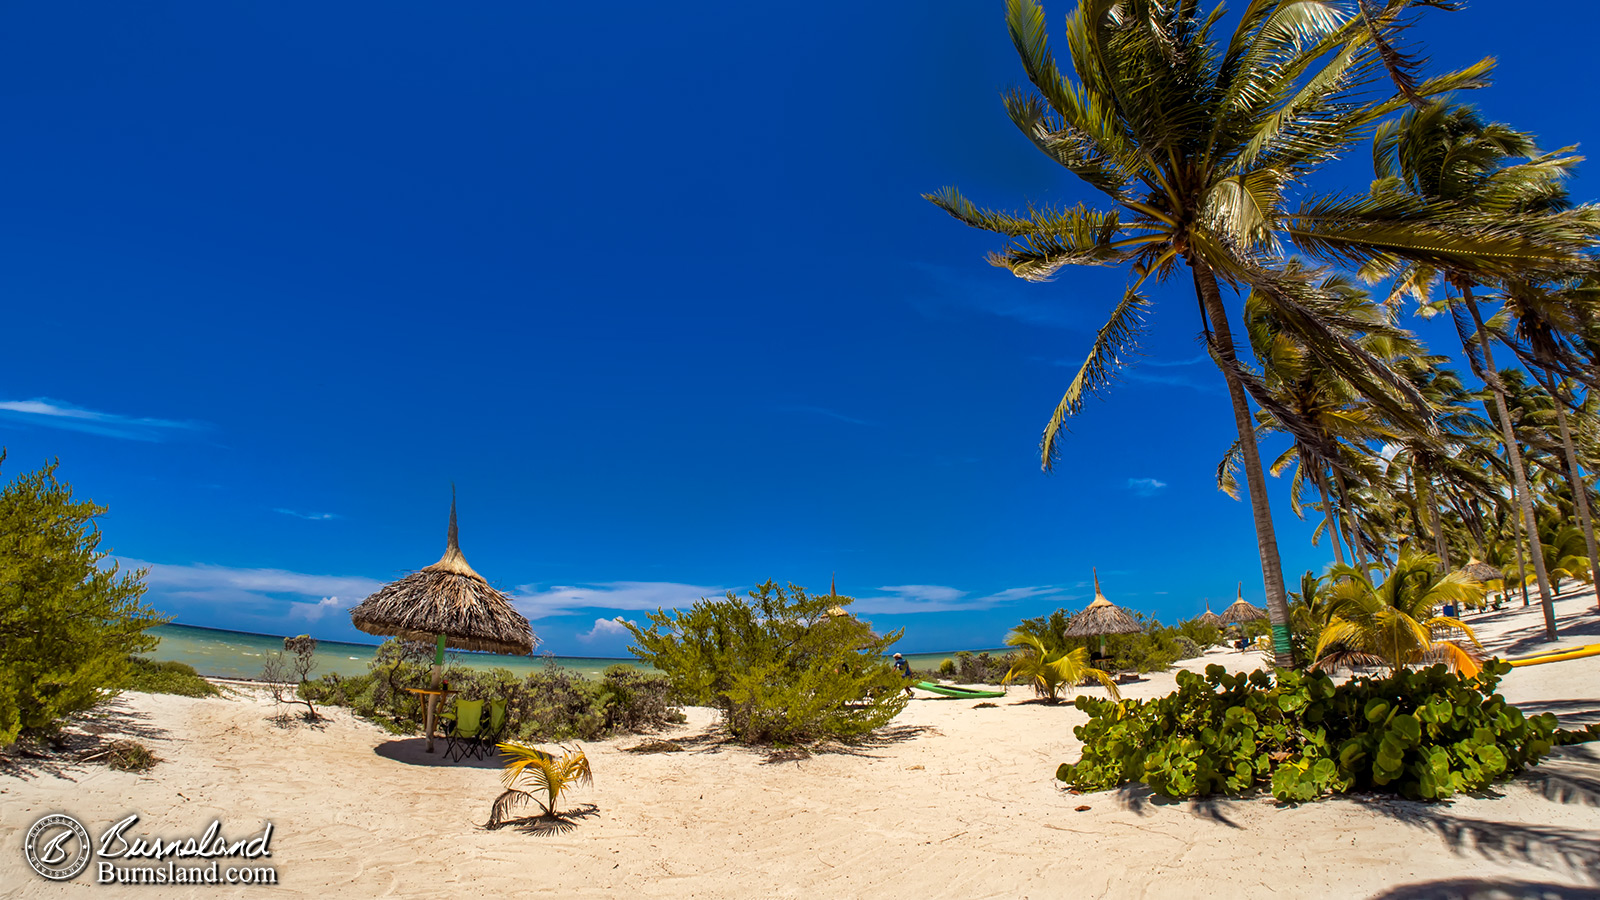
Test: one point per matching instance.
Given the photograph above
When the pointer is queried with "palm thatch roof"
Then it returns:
(1481, 571)
(1239, 611)
(1101, 617)
(1209, 618)
(447, 598)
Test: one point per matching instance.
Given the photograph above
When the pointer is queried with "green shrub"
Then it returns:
(67, 625)
(947, 668)
(166, 677)
(1205, 636)
(981, 668)
(1154, 649)
(1425, 734)
(1188, 648)
(782, 667)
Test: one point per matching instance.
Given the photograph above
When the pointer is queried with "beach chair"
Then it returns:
(493, 732)
(461, 733)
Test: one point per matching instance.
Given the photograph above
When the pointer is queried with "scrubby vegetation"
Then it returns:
(68, 619)
(1425, 734)
(783, 667)
(166, 677)
(550, 705)
(979, 668)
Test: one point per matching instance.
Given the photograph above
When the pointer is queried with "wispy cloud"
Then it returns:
(994, 293)
(556, 600)
(908, 599)
(1145, 487)
(47, 413)
(255, 590)
(1168, 363)
(1204, 386)
(823, 411)
(315, 517)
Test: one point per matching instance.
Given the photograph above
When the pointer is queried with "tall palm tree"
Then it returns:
(1450, 157)
(1196, 140)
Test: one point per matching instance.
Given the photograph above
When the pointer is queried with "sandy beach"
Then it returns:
(951, 801)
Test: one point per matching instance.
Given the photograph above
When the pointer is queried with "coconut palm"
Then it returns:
(1197, 139)
(532, 775)
(1048, 670)
(1390, 622)
(1450, 157)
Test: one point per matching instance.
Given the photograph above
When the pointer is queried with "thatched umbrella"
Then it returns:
(1481, 571)
(1240, 612)
(1209, 618)
(1102, 617)
(450, 605)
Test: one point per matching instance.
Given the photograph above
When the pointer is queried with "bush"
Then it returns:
(981, 668)
(782, 667)
(167, 677)
(1205, 636)
(1425, 734)
(947, 668)
(1154, 649)
(551, 705)
(67, 625)
(1188, 648)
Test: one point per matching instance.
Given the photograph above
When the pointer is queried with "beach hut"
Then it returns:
(1100, 618)
(449, 605)
(1481, 571)
(1209, 618)
(1240, 612)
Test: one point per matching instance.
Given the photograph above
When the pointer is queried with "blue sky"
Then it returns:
(654, 287)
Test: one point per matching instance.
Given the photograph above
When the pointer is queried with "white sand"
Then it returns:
(956, 802)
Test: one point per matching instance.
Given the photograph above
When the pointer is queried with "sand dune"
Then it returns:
(952, 801)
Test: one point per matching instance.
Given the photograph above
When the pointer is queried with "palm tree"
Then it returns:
(1051, 669)
(533, 775)
(1450, 157)
(1390, 622)
(1196, 141)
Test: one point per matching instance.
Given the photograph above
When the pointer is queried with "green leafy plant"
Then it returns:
(532, 775)
(68, 618)
(166, 677)
(1425, 734)
(782, 666)
(947, 668)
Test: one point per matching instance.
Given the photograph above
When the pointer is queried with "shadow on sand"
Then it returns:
(550, 826)
(1486, 889)
(413, 752)
(86, 735)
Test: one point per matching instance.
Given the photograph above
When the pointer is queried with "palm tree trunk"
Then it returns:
(1524, 498)
(1205, 284)
(1327, 517)
(1522, 567)
(1580, 494)
(1431, 500)
(1351, 522)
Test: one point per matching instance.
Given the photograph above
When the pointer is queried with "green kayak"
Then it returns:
(957, 693)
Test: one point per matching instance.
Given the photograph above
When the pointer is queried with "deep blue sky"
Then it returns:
(652, 285)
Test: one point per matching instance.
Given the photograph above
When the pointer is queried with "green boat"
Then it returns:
(957, 693)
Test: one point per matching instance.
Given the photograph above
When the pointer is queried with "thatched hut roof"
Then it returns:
(1210, 618)
(447, 598)
(1101, 617)
(1481, 571)
(1240, 611)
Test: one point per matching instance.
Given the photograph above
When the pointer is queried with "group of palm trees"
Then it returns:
(1204, 139)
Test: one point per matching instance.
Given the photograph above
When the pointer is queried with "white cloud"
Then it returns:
(605, 629)
(1145, 487)
(314, 611)
(931, 598)
(536, 603)
(47, 413)
(315, 517)
(259, 588)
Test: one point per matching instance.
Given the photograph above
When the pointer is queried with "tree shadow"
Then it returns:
(414, 752)
(1568, 775)
(88, 734)
(1138, 798)
(1572, 713)
(1486, 889)
(546, 825)
(1546, 846)
(1530, 639)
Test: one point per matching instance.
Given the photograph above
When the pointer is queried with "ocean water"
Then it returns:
(239, 654)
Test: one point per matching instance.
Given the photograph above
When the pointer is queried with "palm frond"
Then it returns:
(1112, 344)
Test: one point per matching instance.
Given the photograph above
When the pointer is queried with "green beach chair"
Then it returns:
(494, 732)
(461, 733)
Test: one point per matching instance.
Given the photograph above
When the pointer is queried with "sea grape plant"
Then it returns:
(1425, 734)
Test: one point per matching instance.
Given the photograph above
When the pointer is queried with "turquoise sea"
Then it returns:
(238, 654)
